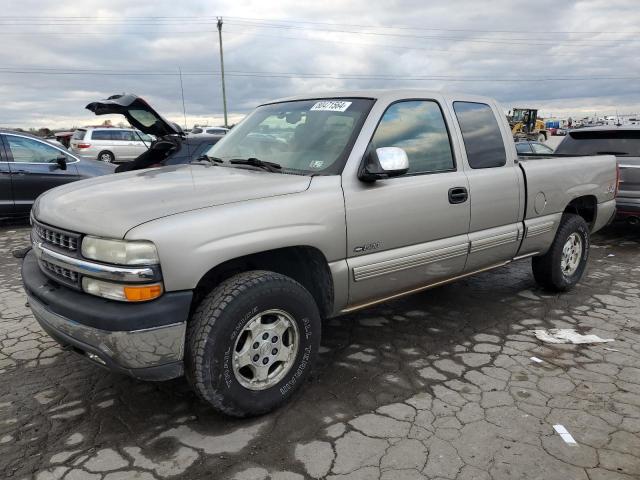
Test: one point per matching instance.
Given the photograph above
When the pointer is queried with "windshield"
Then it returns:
(306, 136)
(615, 142)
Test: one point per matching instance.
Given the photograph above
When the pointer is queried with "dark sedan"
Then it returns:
(29, 166)
(527, 147)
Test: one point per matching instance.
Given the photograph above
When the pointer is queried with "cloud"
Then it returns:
(481, 42)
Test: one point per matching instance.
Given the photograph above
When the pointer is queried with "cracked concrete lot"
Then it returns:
(440, 385)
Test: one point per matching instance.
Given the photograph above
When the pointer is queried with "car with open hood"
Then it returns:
(168, 136)
(311, 207)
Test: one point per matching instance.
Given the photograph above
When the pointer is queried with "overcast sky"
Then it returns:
(563, 57)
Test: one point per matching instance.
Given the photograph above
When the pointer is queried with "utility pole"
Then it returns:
(224, 92)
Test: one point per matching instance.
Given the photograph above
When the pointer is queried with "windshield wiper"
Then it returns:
(255, 162)
(214, 160)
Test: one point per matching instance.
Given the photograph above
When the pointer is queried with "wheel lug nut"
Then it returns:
(256, 358)
(265, 361)
(274, 351)
(256, 345)
(265, 336)
(274, 339)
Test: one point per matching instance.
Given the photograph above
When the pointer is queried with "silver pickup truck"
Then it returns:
(311, 207)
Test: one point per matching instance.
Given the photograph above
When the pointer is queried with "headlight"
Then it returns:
(120, 252)
(122, 292)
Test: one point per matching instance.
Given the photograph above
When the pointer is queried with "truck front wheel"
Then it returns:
(561, 268)
(252, 342)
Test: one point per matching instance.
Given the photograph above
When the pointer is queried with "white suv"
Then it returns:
(109, 144)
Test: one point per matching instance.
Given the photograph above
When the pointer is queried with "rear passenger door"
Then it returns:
(406, 232)
(123, 143)
(495, 185)
(6, 190)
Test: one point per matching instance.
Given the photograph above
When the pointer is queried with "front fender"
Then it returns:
(192, 243)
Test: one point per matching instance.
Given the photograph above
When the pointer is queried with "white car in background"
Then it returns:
(203, 130)
(109, 144)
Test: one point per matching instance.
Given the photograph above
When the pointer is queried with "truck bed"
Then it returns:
(559, 178)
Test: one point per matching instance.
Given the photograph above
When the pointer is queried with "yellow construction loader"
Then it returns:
(525, 125)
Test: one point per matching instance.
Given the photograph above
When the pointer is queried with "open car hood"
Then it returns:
(138, 112)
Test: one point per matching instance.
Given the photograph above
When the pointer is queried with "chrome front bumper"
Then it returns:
(151, 354)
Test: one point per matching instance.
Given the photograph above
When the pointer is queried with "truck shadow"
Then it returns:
(368, 359)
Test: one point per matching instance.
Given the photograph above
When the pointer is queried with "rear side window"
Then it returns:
(481, 134)
(101, 135)
(418, 127)
(124, 135)
(79, 134)
(615, 142)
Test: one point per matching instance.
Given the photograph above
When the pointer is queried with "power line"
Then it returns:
(182, 18)
(521, 42)
(245, 24)
(435, 50)
(337, 76)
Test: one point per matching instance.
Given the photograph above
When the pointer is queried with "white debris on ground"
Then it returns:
(564, 434)
(567, 335)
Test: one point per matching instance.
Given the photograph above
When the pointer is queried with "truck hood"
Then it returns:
(111, 205)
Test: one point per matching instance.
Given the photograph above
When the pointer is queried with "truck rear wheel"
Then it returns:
(252, 342)
(561, 268)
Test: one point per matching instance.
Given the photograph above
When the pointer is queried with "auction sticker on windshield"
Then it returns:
(331, 106)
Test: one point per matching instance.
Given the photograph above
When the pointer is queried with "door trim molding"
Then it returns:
(366, 272)
(494, 241)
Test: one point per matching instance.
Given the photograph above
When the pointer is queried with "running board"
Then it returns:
(425, 287)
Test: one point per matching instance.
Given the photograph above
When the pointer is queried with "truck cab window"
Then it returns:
(418, 127)
(481, 134)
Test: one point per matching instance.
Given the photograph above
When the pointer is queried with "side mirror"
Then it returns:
(385, 162)
(62, 162)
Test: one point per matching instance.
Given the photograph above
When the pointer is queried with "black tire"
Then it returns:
(542, 137)
(219, 320)
(106, 156)
(547, 268)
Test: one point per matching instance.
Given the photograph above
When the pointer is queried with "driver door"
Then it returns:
(408, 232)
(34, 169)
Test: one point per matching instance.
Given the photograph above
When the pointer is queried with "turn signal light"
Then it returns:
(142, 293)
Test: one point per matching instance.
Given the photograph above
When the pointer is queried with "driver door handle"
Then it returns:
(458, 195)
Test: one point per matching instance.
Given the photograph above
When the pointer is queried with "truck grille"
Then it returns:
(56, 237)
(62, 274)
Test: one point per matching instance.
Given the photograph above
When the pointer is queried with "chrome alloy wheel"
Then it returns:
(571, 254)
(266, 349)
